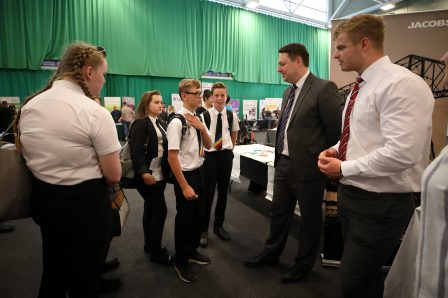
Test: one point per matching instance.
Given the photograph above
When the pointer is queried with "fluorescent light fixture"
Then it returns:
(387, 6)
(252, 4)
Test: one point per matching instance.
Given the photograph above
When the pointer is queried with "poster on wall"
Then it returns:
(12, 100)
(273, 104)
(111, 102)
(176, 102)
(206, 86)
(130, 101)
(235, 104)
(250, 109)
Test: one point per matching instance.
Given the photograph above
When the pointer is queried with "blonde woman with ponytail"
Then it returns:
(70, 144)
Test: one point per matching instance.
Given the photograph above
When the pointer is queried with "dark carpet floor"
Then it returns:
(247, 221)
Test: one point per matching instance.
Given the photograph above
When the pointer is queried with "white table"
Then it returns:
(260, 153)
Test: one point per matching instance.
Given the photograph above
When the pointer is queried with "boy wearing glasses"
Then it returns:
(184, 149)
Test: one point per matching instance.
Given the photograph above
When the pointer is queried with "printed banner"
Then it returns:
(176, 102)
(250, 109)
(130, 101)
(111, 102)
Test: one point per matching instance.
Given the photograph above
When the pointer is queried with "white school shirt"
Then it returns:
(62, 134)
(189, 154)
(226, 139)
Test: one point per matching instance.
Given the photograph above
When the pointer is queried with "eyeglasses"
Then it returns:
(102, 51)
(197, 94)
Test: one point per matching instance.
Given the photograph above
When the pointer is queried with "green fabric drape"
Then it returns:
(169, 38)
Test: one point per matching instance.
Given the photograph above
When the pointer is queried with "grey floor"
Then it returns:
(247, 222)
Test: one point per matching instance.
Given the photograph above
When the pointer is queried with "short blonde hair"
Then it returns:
(361, 26)
(186, 84)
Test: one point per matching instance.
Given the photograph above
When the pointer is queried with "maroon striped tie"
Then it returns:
(346, 128)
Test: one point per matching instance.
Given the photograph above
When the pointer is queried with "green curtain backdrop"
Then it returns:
(169, 38)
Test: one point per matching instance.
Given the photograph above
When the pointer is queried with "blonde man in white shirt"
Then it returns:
(380, 158)
(185, 140)
(218, 160)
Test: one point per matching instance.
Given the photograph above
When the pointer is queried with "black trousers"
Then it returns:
(188, 222)
(154, 214)
(288, 190)
(217, 170)
(372, 224)
(75, 223)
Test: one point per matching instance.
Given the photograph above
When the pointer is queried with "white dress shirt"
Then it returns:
(63, 132)
(189, 155)
(299, 85)
(157, 172)
(432, 258)
(226, 139)
(390, 130)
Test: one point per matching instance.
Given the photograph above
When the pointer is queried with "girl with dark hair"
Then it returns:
(148, 147)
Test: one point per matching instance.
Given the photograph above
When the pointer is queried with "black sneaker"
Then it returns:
(185, 273)
(199, 259)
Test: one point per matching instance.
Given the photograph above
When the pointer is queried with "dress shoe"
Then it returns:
(204, 239)
(162, 257)
(110, 284)
(221, 233)
(260, 260)
(6, 228)
(294, 275)
(111, 265)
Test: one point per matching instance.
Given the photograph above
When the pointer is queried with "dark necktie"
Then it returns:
(346, 128)
(218, 133)
(284, 120)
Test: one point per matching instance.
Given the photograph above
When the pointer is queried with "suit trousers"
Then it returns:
(188, 222)
(372, 224)
(75, 223)
(288, 190)
(217, 170)
(154, 214)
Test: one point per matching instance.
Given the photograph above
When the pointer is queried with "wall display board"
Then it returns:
(206, 86)
(273, 104)
(176, 102)
(250, 109)
(423, 34)
(235, 104)
(110, 102)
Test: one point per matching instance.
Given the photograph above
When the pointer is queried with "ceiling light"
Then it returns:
(387, 6)
(252, 4)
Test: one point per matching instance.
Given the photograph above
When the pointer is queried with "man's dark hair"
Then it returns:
(295, 50)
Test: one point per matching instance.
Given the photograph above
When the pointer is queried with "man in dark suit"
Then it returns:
(310, 120)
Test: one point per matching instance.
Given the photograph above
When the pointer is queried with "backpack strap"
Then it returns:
(230, 119)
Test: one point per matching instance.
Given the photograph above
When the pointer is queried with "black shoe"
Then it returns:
(204, 239)
(221, 233)
(162, 258)
(199, 259)
(6, 228)
(111, 265)
(110, 284)
(294, 275)
(185, 273)
(260, 260)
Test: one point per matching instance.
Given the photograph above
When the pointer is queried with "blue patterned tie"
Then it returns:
(284, 120)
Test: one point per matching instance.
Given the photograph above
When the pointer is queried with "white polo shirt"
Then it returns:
(189, 154)
(63, 132)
